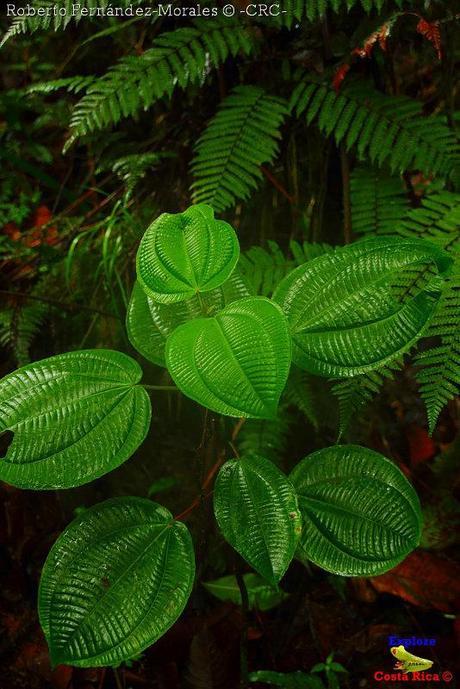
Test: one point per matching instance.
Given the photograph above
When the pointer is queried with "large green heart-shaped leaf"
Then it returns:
(149, 323)
(236, 363)
(74, 416)
(185, 253)
(355, 309)
(360, 514)
(256, 508)
(114, 582)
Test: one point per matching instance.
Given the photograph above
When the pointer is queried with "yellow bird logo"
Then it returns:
(407, 662)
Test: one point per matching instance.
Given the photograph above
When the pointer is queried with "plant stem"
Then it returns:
(244, 679)
(170, 388)
(346, 194)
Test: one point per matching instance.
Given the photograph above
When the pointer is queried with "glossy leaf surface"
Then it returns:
(261, 595)
(74, 416)
(149, 323)
(185, 253)
(235, 363)
(355, 309)
(256, 508)
(360, 514)
(114, 582)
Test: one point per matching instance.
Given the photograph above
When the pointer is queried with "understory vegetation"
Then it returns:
(230, 321)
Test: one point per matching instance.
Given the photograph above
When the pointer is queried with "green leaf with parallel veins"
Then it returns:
(261, 595)
(185, 253)
(256, 508)
(361, 516)
(149, 323)
(74, 416)
(114, 582)
(358, 308)
(235, 363)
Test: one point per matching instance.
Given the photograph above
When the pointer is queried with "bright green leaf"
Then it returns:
(261, 595)
(74, 416)
(358, 308)
(256, 508)
(185, 253)
(235, 363)
(114, 582)
(148, 322)
(361, 516)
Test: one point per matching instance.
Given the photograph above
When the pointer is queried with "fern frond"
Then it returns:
(59, 20)
(268, 438)
(378, 201)
(299, 392)
(354, 393)
(132, 168)
(19, 326)
(263, 268)
(243, 135)
(296, 10)
(177, 58)
(385, 129)
(437, 219)
(439, 376)
(70, 84)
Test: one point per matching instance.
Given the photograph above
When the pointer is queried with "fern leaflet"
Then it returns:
(439, 377)
(378, 201)
(243, 135)
(177, 58)
(384, 128)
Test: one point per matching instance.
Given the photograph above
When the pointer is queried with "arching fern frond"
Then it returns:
(132, 168)
(355, 393)
(263, 268)
(18, 327)
(176, 59)
(437, 219)
(385, 129)
(70, 84)
(239, 139)
(378, 201)
(439, 377)
(59, 20)
(296, 10)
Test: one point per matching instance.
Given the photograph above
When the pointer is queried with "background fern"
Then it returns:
(177, 58)
(241, 137)
(385, 129)
(378, 201)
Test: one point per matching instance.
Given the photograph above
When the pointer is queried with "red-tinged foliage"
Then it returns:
(421, 446)
(425, 580)
(430, 30)
(379, 37)
(340, 75)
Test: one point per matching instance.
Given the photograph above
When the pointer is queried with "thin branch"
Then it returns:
(55, 302)
(278, 185)
(170, 388)
(244, 678)
(345, 166)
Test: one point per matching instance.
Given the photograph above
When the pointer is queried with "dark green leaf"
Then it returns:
(356, 309)
(261, 594)
(236, 363)
(256, 508)
(361, 515)
(74, 416)
(114, 582)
